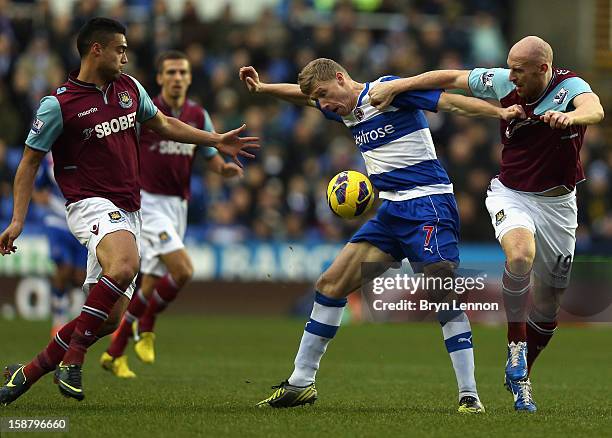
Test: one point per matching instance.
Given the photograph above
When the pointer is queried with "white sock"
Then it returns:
(320, 329)
(458, 339)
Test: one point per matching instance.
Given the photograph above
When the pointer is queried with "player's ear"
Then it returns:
(340, 78)
(158, 79)
(544, 68)
(96, 49)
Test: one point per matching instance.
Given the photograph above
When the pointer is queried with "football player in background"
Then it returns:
(165, 177)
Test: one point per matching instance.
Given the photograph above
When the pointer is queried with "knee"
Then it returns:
(182, 274)
(520, 260)
(123, 272)
(442, 270)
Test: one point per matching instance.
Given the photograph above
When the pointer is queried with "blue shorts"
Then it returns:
(424, 230)
(65, 249)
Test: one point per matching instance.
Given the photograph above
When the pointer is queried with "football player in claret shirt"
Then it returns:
(532, 202)
(417, 220)
(89, 125)
(165, 177)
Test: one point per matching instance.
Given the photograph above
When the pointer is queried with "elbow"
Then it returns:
(601, 114)
(164, 129)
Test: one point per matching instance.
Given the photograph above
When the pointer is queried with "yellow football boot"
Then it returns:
(145, 347)
(117, 365)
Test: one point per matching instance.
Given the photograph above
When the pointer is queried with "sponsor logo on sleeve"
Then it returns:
(560, 96)
(116, 216)
(125, 100)
(37, 125)
(487, 79)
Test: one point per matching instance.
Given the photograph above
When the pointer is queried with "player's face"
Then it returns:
(175, 77)
(334, 96)
(528, 76)
(113, 57)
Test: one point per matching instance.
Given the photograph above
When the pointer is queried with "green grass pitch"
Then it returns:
(375, 380)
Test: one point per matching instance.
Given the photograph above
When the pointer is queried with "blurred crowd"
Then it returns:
(282, 195)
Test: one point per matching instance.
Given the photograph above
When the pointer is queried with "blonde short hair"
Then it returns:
(318, 70)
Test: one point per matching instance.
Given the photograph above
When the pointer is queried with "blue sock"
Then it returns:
(320, 329)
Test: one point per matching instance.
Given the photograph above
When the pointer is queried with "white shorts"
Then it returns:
(553, 221)
(90, 220)
(164, 222)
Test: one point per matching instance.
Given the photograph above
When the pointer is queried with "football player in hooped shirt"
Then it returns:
(418, 218)
(89, 124)
(532, 202)
(165, 177)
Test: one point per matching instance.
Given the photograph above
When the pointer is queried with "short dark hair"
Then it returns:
(168, 54)
(97, 30)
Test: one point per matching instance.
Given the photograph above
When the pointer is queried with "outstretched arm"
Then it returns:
(22, 193)
(588, 112)
(472, 107)
(228, 143)
(289, 92)
(383, 94)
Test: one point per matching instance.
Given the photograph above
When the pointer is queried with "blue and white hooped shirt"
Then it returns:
(396, 143)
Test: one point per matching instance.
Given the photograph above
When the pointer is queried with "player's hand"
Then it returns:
(382, 95)
(513, 112)
(230, 170)
(556, 119)
(250, 77)
(8, 237)
(233, 146)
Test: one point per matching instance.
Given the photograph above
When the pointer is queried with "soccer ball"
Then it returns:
(350, 194)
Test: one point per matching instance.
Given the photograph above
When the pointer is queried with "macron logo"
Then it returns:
(365, 137)
(91, 110)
